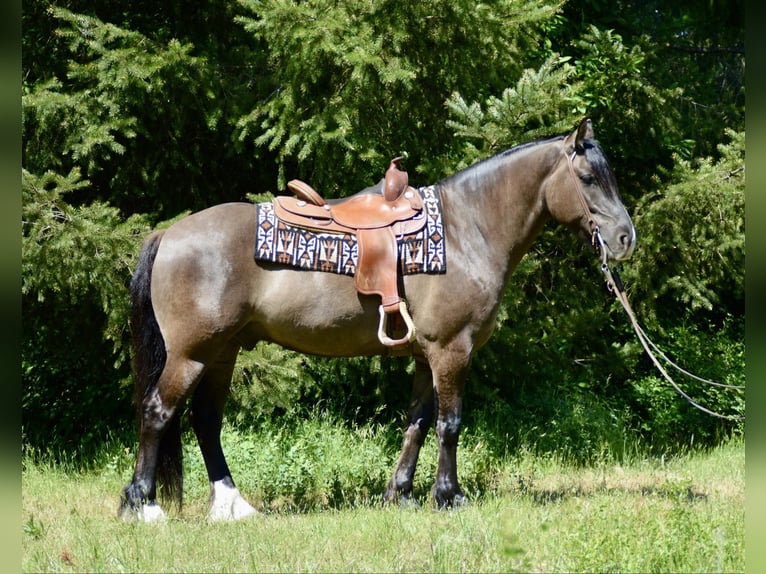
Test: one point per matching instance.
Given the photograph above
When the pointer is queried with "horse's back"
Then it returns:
(208, 249)
(206, 284)
(224, 216)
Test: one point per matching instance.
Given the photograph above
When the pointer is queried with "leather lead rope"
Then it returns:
(614, 284)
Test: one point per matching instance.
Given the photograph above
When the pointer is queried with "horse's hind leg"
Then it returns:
(207, 406)
(159, 447)
(419, 419)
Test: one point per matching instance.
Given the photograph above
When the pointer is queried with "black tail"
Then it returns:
(149, 358)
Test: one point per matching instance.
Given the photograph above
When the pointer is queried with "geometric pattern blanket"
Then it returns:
(278, 242)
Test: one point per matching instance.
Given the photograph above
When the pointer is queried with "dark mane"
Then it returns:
(527, 145)
(488, 164)
(593, 153)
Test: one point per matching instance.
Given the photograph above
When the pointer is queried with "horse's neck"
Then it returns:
(495, 209)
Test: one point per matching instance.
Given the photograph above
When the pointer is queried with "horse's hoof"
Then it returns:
(237, 511)
(443, 501)
(460, 501)
(227, 504)
(408, 503)
(151, 512)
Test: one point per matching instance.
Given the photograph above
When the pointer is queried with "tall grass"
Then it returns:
(317, 484)
(301, 465)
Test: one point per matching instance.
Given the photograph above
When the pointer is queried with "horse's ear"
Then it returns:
(584, 131)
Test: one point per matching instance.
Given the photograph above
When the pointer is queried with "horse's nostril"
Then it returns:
(628, 238)
(627, 241)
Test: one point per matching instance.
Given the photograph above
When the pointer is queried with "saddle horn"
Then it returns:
(396, 180)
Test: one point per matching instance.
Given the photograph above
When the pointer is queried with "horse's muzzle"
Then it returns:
(620, 247)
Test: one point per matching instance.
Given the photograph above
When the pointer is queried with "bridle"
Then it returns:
(615, 285)
(595, 233)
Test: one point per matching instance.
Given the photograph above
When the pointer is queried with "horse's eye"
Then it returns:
(587, 178)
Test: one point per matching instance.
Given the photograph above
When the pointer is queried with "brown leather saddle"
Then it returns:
(376, 219)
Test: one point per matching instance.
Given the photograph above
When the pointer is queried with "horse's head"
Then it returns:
(582, 194)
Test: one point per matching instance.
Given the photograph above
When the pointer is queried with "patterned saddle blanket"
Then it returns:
(330, 251)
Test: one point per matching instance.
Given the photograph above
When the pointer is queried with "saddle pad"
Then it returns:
(281, 243)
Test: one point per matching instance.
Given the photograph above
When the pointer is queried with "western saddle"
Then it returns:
(376, 219)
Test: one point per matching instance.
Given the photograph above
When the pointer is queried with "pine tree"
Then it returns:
(356, 83)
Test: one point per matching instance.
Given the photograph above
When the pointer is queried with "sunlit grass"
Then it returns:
(681, 514)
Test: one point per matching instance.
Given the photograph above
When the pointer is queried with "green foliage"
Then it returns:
(635, 123)
(348, 76)
(701, 54)
(76, 264)
(542, 102)
(713, 352)
(363, 388)
(308, 464)
(686, 282)
(693, 53)
(266, 381)
(142, 120)
(75, 253)
(604, 51)
(692, 237)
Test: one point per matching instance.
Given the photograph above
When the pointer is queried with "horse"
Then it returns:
(198, 297)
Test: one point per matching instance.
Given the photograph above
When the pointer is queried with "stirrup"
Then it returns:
(383, 336)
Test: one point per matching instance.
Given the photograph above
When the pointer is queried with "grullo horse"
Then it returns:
(198, 297)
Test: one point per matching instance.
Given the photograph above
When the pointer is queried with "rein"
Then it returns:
(614, 284)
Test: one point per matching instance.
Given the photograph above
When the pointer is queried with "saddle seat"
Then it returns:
(361, 211)
(376, 217)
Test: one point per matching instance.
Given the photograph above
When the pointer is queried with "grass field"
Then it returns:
(683, 514)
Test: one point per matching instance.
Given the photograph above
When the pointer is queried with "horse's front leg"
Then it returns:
(450, 368)
(419, 419)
